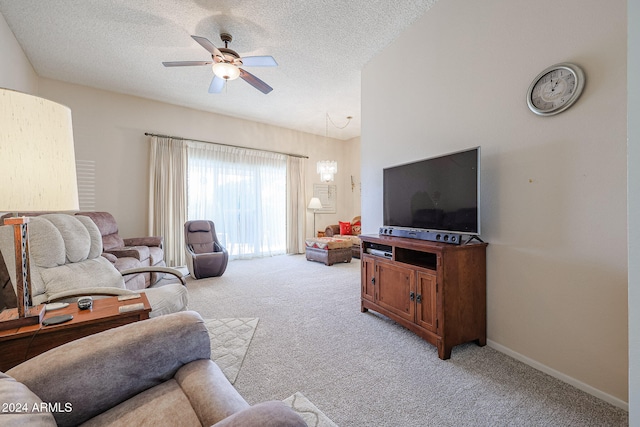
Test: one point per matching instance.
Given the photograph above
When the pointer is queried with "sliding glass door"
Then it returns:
(244, 193)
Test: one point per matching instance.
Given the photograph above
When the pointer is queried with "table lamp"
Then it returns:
(38, 173)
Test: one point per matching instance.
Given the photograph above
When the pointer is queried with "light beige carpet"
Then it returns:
(230, 339)
(313, 338)
(308, 411)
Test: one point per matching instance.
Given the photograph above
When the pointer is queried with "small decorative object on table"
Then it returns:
(85, 303)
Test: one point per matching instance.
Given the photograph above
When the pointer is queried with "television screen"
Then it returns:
(439, 194)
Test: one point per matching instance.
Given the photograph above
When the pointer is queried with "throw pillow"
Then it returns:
(356, 228)
(345, 228)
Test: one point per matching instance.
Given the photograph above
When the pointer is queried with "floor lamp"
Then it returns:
(38, 173)
(315, 204)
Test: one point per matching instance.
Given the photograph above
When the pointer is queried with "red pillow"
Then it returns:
(345, 228)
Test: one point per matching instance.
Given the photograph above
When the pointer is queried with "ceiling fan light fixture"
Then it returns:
(226, 71)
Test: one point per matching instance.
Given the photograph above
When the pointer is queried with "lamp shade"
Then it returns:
(38, 170)
(315, 203)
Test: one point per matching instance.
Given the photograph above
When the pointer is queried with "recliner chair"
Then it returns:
(129, 253)
(206, 257)
(157, 372)
(65, 262)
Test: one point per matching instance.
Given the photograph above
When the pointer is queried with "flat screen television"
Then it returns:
(435, 194)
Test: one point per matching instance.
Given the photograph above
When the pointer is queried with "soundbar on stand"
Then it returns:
(411, 233)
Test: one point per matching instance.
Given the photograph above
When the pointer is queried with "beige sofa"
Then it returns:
(65, 259)
(157, 372)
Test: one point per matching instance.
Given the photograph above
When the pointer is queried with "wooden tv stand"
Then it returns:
(436, 290)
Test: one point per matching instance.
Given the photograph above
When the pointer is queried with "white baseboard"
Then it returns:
(559, 375)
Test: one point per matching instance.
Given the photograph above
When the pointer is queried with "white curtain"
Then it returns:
(296, 205)
(244, 193)
(167, 198)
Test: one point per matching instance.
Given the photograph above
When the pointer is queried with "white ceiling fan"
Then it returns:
(226, 65)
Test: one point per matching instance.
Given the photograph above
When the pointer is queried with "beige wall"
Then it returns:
(553, 188)
(109, 129)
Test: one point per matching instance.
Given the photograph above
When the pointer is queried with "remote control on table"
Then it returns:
(57, 319)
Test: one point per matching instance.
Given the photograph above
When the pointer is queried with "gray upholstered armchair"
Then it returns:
(156, 372)
(206, 257)
(65, 261)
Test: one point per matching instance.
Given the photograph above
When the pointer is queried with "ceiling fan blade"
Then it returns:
(216, 85)
(185, 63)
(259, 61)
(255, 82)
(205, 43)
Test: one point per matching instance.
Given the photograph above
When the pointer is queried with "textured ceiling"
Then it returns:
(119, 45)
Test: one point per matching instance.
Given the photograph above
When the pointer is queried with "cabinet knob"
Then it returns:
(419, 298)
(412, 296)
(373, 280)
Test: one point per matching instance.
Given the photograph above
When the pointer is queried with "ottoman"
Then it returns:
(328, 250)
(355, 243)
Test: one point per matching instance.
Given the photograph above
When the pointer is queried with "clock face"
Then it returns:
(555, 89)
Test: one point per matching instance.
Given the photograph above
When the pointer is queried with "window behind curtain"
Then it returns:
(244, 193)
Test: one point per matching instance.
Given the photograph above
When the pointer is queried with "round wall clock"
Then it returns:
(555, 89)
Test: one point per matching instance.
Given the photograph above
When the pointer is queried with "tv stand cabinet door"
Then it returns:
(426, 300)
(368, 279)
(395, 289)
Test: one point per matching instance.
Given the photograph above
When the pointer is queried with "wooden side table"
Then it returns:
(18, 345)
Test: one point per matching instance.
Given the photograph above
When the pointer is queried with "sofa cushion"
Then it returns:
(326, 243)
(96, 239)
(108, 228)
(156, 255)
(167, 298)
(97, 273)
(76, 237)
(356, 227)
(140, 253)
(46, 245)
(355, 240)
(212, 396)
(164, 404)
(112, 241)
(23, 407)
